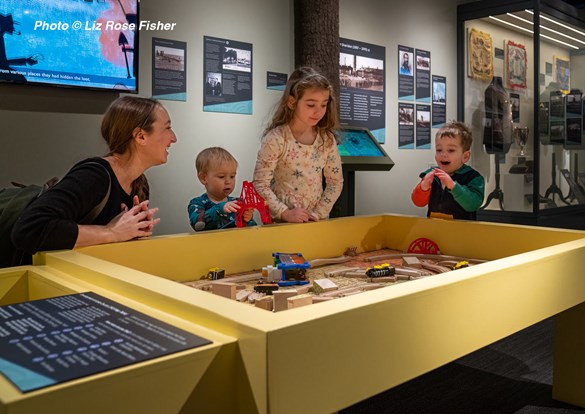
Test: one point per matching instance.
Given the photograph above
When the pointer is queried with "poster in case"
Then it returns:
(562, 73)
(515, 65)
(481, 58)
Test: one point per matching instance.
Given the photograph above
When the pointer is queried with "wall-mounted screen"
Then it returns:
(74, 43)
(360, 150)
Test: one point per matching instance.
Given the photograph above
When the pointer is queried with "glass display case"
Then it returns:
(521, 74)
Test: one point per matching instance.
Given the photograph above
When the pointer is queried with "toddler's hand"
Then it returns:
(427, 181)
(248, 214)
(445, 178)
(231, 207)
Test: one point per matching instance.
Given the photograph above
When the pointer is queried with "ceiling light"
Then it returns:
(546, 28)
(558, 23)
(531, 32)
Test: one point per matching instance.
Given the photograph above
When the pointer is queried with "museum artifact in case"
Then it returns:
(520, 83)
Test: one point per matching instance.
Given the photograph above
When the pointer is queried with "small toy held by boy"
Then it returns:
(215, 209)
(452, 189)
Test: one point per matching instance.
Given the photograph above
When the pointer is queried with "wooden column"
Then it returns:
(317, 37)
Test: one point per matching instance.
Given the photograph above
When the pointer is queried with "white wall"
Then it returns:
(426, 25)
(40, 138)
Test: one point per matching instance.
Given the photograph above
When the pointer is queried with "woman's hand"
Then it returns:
(129, 224)
(132, 223)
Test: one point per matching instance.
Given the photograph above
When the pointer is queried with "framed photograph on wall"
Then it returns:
(481, 55)
(562, 73)
(515, 65)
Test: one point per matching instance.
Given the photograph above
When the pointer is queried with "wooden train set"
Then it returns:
(293, 282)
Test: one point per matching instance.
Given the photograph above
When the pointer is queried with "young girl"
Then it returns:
(298, 149)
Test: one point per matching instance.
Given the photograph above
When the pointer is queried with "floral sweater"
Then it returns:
(289, 174)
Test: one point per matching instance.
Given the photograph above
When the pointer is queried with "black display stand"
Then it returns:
(554, 188)
(497, 193)
(360, 151)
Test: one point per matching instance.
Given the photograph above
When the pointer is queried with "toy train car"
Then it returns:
(294, 268)
(380, 271)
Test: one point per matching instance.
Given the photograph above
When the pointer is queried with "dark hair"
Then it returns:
(456, 129)
(123, 116)
(303, 78)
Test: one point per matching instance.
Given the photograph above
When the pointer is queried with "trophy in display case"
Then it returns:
(520, 135)
(521, 138)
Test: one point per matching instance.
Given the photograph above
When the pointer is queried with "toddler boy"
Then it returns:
(453, 189)
(216, 170)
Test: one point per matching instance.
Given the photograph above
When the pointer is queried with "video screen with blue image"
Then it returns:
(78, 43)
(358, 143)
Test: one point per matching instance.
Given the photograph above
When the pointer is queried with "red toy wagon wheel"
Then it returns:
(424, 246)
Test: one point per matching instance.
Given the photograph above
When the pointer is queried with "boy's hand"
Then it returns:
(427, 181)
(445, 178)
(248, 214)
(231, 207)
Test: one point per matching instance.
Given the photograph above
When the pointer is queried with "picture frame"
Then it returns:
(562, 73)
(481, 55)
(516, 60)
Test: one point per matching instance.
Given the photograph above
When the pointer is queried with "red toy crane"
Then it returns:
(249, 198)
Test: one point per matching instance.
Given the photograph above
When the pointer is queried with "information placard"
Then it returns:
(50, 341)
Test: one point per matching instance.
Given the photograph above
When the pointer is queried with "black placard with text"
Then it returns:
(50, 341)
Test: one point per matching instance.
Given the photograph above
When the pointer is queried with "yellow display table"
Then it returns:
(137, 388)
(327, 356)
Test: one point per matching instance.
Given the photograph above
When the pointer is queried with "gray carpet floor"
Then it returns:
(513, 375)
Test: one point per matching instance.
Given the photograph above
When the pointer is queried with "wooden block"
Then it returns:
(303, 288)
(280, 299)
(355, 273)
(324, 285)
(435, 268)
(318, 299)
(300, 300)
(408, 272)
(227, 290)
(383, 279)
(372, 286)
(339, 272)
(242, 295)
(411, 261)
(330, 261)
(254, 296)
(342, 292)
(265, 303)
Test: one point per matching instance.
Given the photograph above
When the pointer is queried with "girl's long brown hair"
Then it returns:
(303, 78)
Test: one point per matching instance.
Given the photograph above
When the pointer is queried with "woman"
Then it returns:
(138, 133)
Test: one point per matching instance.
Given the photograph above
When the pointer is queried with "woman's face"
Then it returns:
(160, 138)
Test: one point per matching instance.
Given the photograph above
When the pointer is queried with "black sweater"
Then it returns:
(50, 222)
